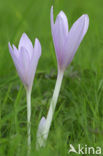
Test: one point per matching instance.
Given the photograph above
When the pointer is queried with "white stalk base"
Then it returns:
(28, 119)
(44, 126)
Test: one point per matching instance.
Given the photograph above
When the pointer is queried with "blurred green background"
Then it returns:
(79, 114)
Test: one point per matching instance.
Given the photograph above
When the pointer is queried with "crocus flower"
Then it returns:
(66, 43)
(26, 59)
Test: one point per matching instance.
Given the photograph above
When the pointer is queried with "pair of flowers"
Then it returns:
(66, 43)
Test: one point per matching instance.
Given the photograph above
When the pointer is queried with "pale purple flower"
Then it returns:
(66, 42)
(26, 59)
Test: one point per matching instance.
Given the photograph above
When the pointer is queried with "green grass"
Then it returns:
(78, 118)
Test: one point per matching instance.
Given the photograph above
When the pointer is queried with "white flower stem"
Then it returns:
(45, 125)
(53, 103)
(28, 92)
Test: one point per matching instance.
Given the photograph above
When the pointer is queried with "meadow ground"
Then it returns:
(78, 118)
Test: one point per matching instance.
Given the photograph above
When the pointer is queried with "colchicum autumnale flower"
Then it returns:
(66, 43)
(26, 59)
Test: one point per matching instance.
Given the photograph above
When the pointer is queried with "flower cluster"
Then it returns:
(26, 56)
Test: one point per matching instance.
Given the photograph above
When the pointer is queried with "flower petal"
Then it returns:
(11, 50)
(24, 64)
(37, 49)
(16, 51)
(26, 42)
(52, 19)
(86, 25)
(16, 61)
(24, 58)
(59, 33)
(34, 61)
(74, 38)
